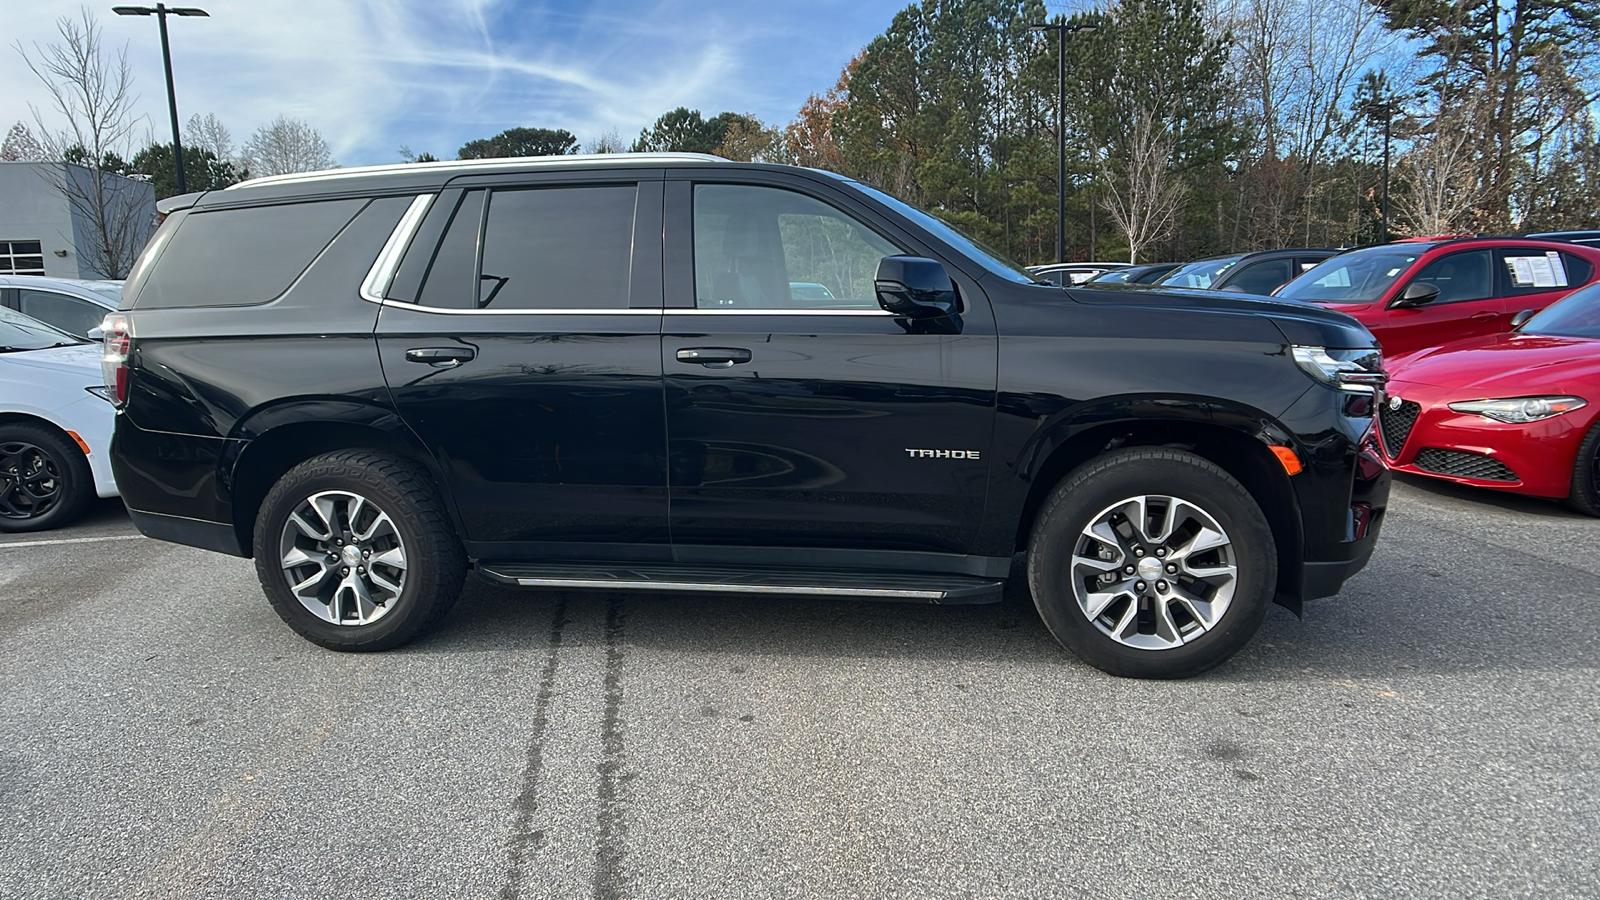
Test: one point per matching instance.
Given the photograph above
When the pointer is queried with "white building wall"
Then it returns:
(32, 208)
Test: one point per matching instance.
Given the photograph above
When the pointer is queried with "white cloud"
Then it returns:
(374, 74)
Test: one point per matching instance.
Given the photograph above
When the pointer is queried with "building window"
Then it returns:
(21, 258)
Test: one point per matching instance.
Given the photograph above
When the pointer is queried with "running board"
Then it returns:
(911, 588)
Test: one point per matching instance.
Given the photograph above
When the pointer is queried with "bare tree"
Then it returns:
(1438, 175)
(1143, 193)
(609, 142)
(284, 146)
(210, 135)
(21, 146)
(93, 92)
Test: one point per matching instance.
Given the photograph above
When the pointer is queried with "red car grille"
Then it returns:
(1461, 464)
(1394, 426)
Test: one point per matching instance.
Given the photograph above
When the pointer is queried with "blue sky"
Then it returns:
(372, 75)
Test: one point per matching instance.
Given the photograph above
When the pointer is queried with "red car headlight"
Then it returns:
(1520, 410)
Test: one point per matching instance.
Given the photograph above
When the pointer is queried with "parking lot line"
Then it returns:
(88, 540)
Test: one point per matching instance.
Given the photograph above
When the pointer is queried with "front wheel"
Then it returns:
(1585, 495)
(355, 552)
(1152, 563)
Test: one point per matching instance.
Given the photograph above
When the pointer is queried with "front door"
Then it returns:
(529, 364)
(799, 413)
(1467, 306)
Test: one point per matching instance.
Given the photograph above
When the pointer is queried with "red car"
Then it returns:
(1419, 294)
(1518, 412)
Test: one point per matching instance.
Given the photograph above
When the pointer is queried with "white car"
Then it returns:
(70, 304)
(55, 425)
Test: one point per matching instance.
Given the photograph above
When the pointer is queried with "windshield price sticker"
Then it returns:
(1537, 271)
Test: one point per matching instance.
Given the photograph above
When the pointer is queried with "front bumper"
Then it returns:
(1434, 441)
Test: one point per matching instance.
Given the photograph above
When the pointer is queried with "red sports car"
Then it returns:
(1518, 412)
(1420, 294)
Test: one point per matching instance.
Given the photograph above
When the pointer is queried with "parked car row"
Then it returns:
(1493, 343)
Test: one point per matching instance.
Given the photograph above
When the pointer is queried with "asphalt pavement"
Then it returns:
(1431, 732)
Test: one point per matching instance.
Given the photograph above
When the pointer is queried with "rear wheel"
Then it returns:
(1152, 563)
(45, 480)
(355, 552)
(1585, 496)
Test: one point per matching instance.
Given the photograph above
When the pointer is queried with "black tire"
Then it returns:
(1095, 492)
(1585, 496)
(45, 481)
(434, 564)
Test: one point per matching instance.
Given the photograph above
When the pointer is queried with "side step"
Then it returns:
(911, 588)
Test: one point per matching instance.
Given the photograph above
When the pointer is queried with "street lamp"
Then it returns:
(161, 11)
(1062, 29)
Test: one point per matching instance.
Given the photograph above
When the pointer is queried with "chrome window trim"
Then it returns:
(630, 311)
(780, 312)
(383, 268)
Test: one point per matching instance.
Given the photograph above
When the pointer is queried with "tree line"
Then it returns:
(1191, 126)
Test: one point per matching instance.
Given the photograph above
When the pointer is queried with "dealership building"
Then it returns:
(47, 226)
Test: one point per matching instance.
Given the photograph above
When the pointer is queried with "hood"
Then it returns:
(78, 359)
(1508, 365)
(1308, 324)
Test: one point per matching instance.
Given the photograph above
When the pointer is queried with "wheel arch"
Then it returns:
(275, 440)
(1236, 438)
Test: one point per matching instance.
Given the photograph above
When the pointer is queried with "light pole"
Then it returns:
(1062, 29)
(161, 11)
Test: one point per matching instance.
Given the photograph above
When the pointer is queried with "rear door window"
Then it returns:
(557, 248)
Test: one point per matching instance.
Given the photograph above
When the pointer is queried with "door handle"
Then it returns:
(441, 357)
(714, 357)
(1483, 316)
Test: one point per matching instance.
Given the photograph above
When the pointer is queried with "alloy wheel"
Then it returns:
(343, 558)
(30, 481)
(1154, 572)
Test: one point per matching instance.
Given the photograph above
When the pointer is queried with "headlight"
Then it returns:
(1520, 410)
(1359, 371)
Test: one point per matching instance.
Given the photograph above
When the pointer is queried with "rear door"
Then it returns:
(1533, 277)
(527, 358)
(802, 423)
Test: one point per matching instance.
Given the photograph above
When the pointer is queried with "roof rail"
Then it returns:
(470, 164)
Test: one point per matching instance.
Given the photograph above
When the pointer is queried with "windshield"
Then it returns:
(20, 332)
(1202, 274)
(1576, 315)
(1360, 276)
(990, 259)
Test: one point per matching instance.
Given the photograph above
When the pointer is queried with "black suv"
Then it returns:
(599, 373)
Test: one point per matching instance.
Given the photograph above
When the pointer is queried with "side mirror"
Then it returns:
(95, 334)
(915, 287)
(1521, 319)
(1417, 293)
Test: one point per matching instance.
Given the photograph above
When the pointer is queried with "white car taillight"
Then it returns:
(117, 337)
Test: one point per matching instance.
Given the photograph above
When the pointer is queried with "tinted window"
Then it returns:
(1459, 276)
(1579, 270)
(66, 313)
(1527, 270)
(238, 257)
(752, 244)
(557, 248)
(1261, 278)
(451, 282)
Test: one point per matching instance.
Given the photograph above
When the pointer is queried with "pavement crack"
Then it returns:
(524, 837)
(610, 880)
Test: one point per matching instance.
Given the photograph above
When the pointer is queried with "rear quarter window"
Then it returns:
(242, 257)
